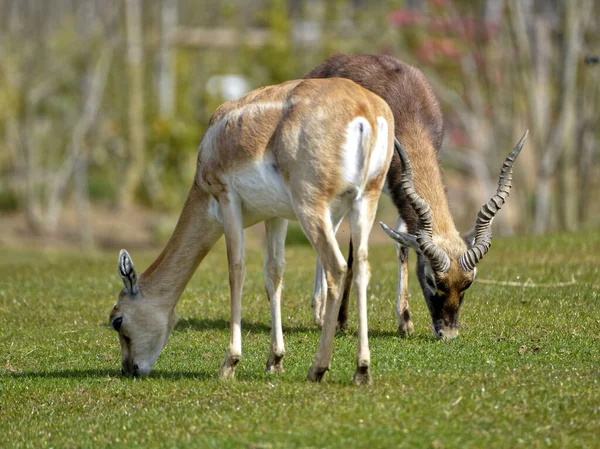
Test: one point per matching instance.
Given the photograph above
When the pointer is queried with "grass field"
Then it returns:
(525, 371)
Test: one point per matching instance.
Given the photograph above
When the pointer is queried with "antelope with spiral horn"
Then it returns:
(447, 261)
(446, 265)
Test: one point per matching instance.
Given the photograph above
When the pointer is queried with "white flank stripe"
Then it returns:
(379, 154)
(357, 133)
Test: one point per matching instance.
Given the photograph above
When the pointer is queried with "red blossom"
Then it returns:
(446, 47)
(437, 24)
(433, 49)
(404, 17)
(439, 3)
(458, 137)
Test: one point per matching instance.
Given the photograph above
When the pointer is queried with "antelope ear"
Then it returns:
(402, 237)
(127, 273)
(469, 237)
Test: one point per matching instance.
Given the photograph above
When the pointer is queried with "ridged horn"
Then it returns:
(439, 259)
(483, 225)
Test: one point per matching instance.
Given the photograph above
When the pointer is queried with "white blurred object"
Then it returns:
(228, 87)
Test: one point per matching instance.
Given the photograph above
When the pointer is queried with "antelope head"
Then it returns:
(142, 323)
(447, 265)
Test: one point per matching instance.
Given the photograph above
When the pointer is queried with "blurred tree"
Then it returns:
(135, 87)
(551, 111)
(80, 126)
(166, 60)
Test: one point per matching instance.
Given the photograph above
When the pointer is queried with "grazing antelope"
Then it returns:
(446, 264)
(311, 150)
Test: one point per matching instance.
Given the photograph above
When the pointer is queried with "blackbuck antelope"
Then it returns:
(447, 261)
(311, 150)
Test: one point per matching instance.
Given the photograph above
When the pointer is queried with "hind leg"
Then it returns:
(274, 265)
(316, 223)
(405, 324)
(319, 296)
(362, 216)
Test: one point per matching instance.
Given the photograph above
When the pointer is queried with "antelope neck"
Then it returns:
(428, 183)
(195, 234)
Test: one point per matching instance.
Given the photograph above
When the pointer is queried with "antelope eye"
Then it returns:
(431, 283)
(117, 322)
(443, 290)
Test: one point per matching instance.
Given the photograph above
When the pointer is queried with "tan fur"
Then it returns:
(427, 176)
(250, 128)
(298, 130)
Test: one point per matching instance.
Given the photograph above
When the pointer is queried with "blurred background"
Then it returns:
(103, 102)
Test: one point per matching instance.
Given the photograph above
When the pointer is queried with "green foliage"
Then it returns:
(8, 198)
(276, 59)
(524, 371)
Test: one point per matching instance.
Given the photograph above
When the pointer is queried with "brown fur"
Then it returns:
(419, 128)
(412, 101)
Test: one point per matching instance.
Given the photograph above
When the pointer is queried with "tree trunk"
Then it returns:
(94, 92)
(587, 145)
(135, 80)
(82, 204)
(166, 63)
(575, 15)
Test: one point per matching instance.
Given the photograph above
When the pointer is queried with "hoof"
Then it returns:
(227, 371)
(342, 326)
(406, 328)
(315, 374)
(275, 364)
(362, 376)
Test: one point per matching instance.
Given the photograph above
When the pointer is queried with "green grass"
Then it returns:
(525, 371)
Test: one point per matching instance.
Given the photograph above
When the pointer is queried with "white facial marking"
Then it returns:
(401, 225)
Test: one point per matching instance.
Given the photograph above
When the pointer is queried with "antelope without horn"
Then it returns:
(310, 150)
(446, 263)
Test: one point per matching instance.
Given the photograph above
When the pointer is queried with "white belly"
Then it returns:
(262, 192)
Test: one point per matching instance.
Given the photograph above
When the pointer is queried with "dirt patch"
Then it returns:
(136, 228)
(110, 229)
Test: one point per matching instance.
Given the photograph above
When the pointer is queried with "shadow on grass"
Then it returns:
(113, 374)
(247, 326)
(201, 324)
(110, 375)
(423, 338)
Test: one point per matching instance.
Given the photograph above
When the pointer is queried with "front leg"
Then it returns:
(405, 324)
(234, 238)
(319, 295)
(274, 265)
